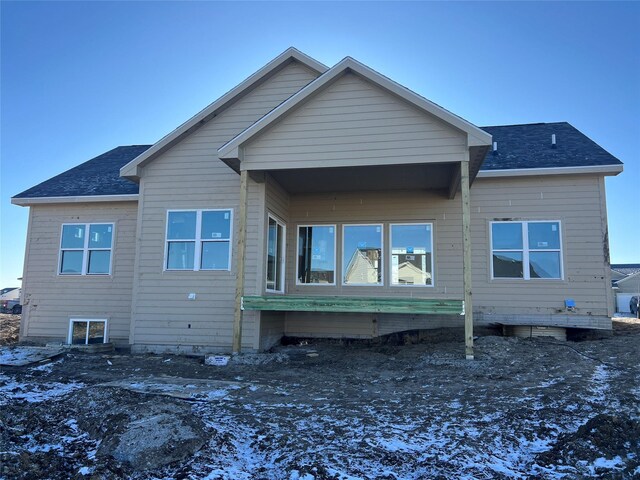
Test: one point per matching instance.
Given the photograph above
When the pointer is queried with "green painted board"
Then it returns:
(286, 303)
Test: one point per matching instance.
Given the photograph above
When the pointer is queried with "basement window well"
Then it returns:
(86, 332)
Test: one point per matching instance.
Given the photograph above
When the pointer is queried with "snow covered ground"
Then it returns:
(524, 409)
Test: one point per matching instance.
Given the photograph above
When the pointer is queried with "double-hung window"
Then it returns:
(85, 249)
(526, 250)
(198, 240)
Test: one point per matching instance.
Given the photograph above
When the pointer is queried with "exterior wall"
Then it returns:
(352, 122)
(382, 207)
(190, 176)
(50, 300)
(576, 202)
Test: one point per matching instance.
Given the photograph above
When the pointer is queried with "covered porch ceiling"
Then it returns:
(371, 178)
(441, 177)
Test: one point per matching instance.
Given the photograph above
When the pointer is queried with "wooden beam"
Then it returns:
(297, 303)
(240, 251)
(454, 185)
(466, 259)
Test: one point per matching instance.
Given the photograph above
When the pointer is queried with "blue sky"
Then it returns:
(78, 79)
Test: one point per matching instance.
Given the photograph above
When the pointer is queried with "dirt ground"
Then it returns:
(9, 328)
(525, 408)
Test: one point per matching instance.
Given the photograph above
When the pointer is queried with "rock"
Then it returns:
(142, 431)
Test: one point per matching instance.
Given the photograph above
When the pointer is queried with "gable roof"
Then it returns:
(97, 177)
(131, 171)
(520, 147)
(476, 136)
(529, 146)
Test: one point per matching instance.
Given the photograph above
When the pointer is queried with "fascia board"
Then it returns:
(131, 169)
(523, 172)
(25, 202)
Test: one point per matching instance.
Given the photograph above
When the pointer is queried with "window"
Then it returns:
(362, 255)
(85, 332)
(198, 240)
(526, 250)
(412, 254)
(316, 255)
(85, 249)
(275, 255)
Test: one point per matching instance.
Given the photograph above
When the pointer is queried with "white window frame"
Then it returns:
(85, 249)
(335, 255)
(105, 338)
(526, 251)
(198, 241)
(433, 248)
(382, 254)
(283, 254)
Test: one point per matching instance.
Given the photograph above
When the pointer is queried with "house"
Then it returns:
(625, 279)
(327, 202)
(622, 270)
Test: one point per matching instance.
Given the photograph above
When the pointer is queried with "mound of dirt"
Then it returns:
(602, 437)
(130, 432)
(9, 329)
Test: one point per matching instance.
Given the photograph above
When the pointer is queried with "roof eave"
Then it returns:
(608, 170)
(132, 170)
(28, 201)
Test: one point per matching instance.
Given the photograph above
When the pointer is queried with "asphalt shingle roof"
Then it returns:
(626, 268)
(519, 146)
(98, 176)
(529, 146)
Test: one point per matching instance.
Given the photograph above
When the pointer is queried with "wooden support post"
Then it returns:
(466, 259)
(240, 250)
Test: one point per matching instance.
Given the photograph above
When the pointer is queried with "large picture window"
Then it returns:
(526, 250)
(412, 254)
(85, 249)
(316, 255)
(198, 240)
(362, 261)
(275, 255)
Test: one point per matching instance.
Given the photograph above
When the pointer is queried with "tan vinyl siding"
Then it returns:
(575, 201)
(277, 200)
(353, 122)
(190, 176)
(51, 299)
(332, 325)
